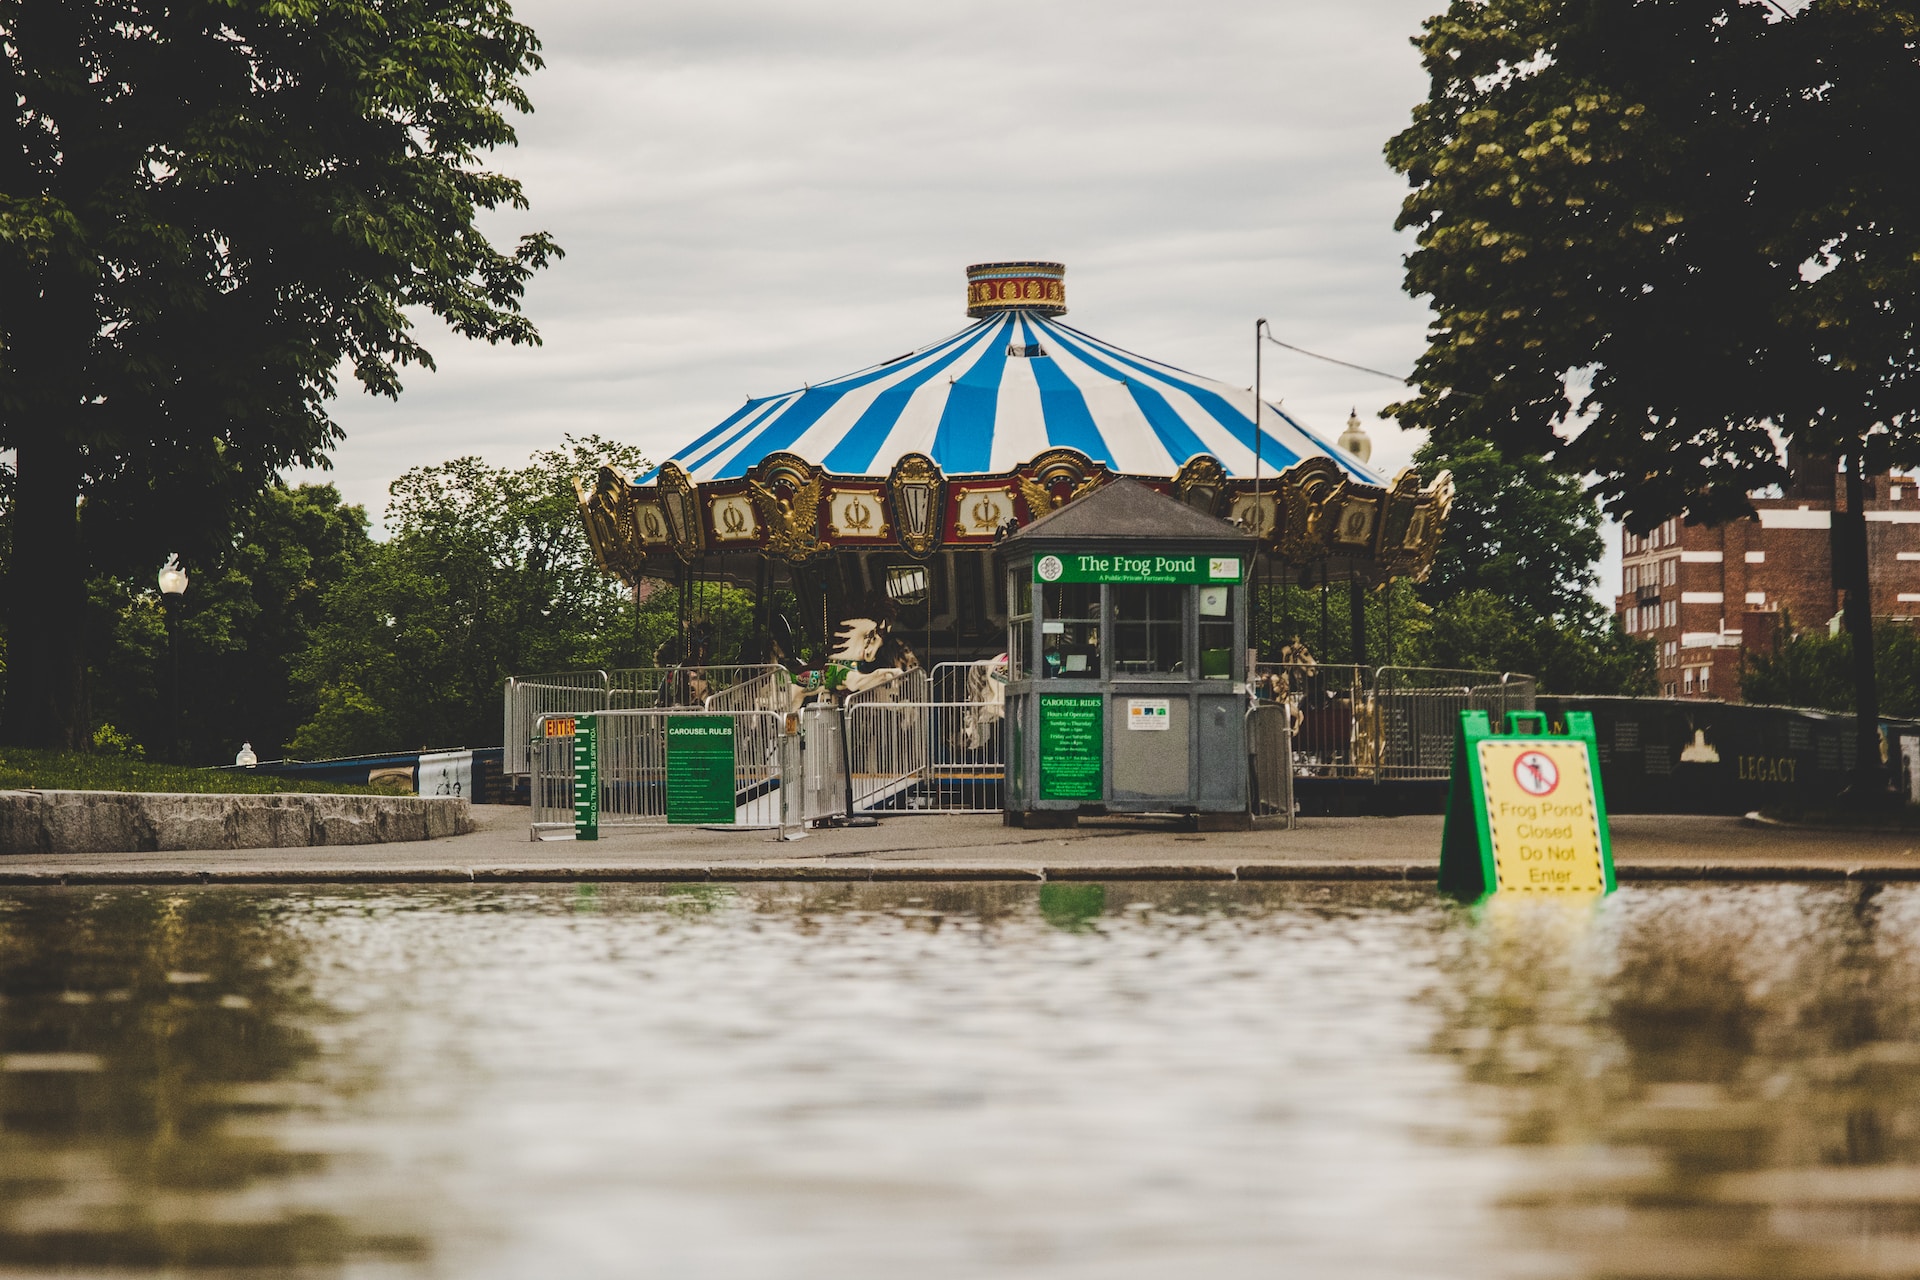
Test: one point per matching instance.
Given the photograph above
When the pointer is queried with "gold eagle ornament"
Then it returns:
(792, 523)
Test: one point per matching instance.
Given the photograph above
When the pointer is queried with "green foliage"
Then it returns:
(486, 573)
(1520, 528)
(1655, 235)
(239, 626)
(1396, 622)
(110, 741)
(26, 768)
(1816, 670)
(207, 209)
(1661, 238)
(1511, 586)
(1480, 631)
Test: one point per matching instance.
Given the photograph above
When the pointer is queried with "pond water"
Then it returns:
(1126, 1080)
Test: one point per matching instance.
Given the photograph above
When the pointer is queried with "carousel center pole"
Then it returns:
(1357, 617)
(1259, 327)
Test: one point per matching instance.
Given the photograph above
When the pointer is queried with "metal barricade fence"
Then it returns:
(966, 681)
(1332, 732)
(908, 686)
(550, 761)
(632, 751)
(770, 691)
(647, 688)
(1417, 714)
(932, 757)
(1383, 722)
(1270, 752)
(528, 698)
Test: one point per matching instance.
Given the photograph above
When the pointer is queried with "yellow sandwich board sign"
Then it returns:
(1525, 811)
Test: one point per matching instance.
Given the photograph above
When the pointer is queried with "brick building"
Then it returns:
(1703, 595)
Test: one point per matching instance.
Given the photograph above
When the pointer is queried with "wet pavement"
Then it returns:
(963, 847)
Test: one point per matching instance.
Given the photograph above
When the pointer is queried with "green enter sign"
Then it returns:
(1071, 748)
(700, 769)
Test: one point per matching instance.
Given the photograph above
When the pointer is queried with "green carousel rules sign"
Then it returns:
(1071, 748)
(1525, 811)
(700, 769)
(586, 778)
(1190, 569)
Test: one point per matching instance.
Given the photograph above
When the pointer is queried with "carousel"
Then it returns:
(869, 505)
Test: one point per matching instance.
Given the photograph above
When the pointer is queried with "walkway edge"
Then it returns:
(844, 872)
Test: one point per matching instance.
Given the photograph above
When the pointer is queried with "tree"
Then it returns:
(243, 621)
(1523, 530)
(485, 574)
(207, 208)
(1659, 237)
(1815, 669)
(1512, 581)
(1480, 631)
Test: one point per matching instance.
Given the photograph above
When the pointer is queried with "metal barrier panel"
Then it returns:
(908, 686)
(823, 765)
(550, 761)
(648, 688)
(633, 771)
(1418, 714)
(1270, 748)
(1332, 715)
(932, 757)
(773, 690)
(1387, 722)
(528, 698)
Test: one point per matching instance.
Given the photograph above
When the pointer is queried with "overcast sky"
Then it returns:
(753, 195)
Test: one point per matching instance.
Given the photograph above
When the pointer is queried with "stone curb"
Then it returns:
(844, 873)
(59, 822)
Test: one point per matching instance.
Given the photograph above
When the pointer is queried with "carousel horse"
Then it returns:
(986, 701)
(873, 654)
(1289, 684)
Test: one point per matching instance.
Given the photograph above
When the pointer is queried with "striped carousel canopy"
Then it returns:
(1012, 385)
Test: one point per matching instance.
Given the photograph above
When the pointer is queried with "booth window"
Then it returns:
(1070, 631)
(1149, 629)
(1020, 623)
(1216, 632)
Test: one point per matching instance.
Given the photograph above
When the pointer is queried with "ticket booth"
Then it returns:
(1127, 652)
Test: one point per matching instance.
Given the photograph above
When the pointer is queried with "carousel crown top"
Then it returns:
(948, 446)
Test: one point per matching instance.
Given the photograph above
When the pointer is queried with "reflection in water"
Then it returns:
(1730, 1079)
(961, 1080)
(1072, 907)
(139, 1031)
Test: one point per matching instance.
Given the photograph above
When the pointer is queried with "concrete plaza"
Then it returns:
(969, 847)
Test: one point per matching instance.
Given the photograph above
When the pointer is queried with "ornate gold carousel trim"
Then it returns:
(790, 509)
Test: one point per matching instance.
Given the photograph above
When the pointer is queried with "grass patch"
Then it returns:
(21, 768)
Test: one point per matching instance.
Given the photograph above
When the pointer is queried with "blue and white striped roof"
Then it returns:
(976, 403)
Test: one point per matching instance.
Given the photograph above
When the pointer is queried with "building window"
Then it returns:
(1703, 679)
(1687, 680)
(1673, 572)
(1671, 611)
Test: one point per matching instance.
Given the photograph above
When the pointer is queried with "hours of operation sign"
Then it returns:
(1071, 748)
(1542, 816)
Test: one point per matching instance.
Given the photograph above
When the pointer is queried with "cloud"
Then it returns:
(755, 195)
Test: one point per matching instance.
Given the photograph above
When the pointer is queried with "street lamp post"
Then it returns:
(173, 585)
